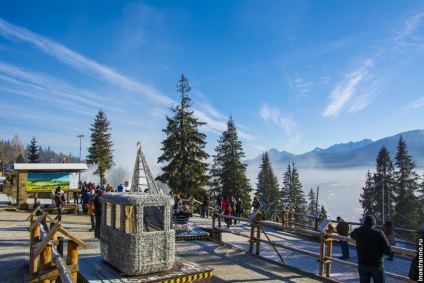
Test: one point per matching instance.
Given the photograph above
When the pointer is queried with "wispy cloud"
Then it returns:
(79, 62)
(410, 28)
(300, 86)
(287, 125)
(345, 91)
(43, 86)
(273, 115)
(416, 104)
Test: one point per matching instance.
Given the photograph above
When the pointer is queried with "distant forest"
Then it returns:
(13, 151)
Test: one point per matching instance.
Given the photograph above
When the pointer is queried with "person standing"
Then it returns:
(205, 206)
(371, 244)
(177, 203)
(59, 198)
(224, 203)
(228, 211)
(238, 210)
(85, 198)
(98, 213)
(90, 211)
(389, 231)
(343, 230)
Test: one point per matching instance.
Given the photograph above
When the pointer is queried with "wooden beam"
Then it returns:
(46, 240)
(37, 221)
(72, 237)
(32, 213)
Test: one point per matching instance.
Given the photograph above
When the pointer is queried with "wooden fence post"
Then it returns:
(72, 257)
(34, 237)
(46, 260)
(258, 235)
(252, 235)
(329, 254)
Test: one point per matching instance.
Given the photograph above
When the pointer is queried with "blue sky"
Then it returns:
(294, 75)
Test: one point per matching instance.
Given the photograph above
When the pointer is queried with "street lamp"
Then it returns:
(80, 136)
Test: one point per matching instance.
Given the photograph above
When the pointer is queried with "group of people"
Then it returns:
(90, 201)
(231, 206)
(371, 246)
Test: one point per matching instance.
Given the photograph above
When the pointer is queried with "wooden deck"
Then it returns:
(94, 269)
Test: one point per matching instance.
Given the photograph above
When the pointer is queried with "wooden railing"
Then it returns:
(323, 232)
(46, 263)
(286, 217)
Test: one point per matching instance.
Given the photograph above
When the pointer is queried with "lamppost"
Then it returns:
(80, 136)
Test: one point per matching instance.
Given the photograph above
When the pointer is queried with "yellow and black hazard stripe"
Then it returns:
(189, 278)
(81, 279)
(184, 238)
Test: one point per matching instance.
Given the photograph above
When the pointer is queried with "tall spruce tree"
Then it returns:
(384, 179)
(312, 205)
(368, 198)
(267, 188)
(183, 149)
(101, 150)
(228, 172)
(408, 208)
(33, 152)
(323, 212)
(292, 192)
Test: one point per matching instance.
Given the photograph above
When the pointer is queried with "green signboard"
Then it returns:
(51, 180)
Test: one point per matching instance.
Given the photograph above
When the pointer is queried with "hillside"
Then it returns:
(349, 155)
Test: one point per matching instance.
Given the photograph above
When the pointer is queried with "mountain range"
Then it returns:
(349, 155)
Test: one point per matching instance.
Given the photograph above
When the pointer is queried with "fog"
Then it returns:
(339, 190)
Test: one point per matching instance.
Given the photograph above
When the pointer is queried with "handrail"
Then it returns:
(324, 257)
(282, 212)
(43, 253)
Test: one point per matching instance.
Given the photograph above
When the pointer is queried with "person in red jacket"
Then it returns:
(228, 211)
(225, 201)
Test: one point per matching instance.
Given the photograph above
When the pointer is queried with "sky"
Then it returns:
(294, 75)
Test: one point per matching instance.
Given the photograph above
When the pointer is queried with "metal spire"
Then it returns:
(142, 177)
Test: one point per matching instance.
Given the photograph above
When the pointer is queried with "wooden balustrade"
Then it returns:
(323, 231)
(46, 264)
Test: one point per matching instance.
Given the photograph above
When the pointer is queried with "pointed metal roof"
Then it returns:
(142, 177)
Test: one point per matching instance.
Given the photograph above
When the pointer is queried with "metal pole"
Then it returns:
(317, 199)
(80, 136)
(382, 185)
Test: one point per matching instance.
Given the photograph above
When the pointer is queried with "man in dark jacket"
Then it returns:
(343, 230)
(371, 244)
(98, 213)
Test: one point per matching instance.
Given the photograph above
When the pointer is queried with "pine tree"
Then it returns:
(292, 192)
(384, 178)
(20, 159)
(323, 212)
(100, 152)
(33, 152)
(183, 149)
(408, 208)
(312, 205)
(228, 172)
(368, 199)
(267, 188)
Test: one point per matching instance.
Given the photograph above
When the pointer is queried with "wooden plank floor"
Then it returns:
(94, 269)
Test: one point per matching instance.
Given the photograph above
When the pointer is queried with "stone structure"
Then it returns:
(136, 233)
